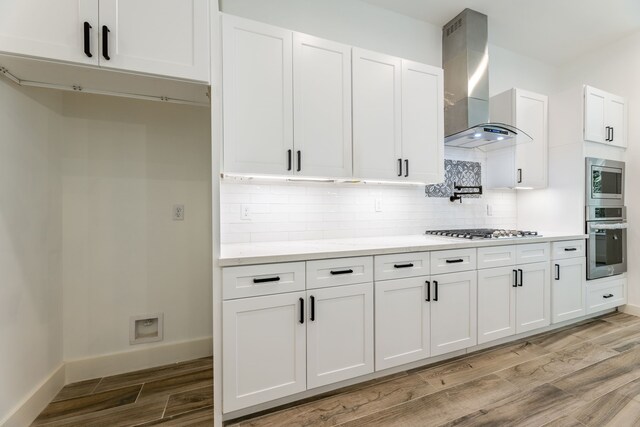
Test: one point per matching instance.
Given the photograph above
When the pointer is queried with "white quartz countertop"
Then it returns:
(263, 253)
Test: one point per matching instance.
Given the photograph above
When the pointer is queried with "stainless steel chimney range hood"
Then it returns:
(465, 59)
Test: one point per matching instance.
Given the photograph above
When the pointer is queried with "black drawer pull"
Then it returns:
(607, 296)
(267, 279)
(337, 272)
(454, 261)
(403, 265)
(570, 249)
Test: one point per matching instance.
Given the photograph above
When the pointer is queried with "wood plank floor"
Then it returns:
(587, 374)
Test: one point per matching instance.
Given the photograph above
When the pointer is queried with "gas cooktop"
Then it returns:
(484, 233)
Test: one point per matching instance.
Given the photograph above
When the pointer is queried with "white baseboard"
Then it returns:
(31, 406)
(630, 309)
(148, 356)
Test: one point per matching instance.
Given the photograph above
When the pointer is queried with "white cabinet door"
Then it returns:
(594, 115)
(616, 119)
(321, 107)
(50, 29)
(533, 297)
(453, 312)
(339, 334)
(531, 116)
(496, 303)
(568, 289)
(402, 321)
(257, 98)
(264, 349)
(422, 123)
(162, 37)
(377, 107)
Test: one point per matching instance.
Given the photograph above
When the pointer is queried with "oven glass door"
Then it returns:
(607, 249)
(606, 183)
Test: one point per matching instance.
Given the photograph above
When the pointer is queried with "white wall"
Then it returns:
(508, 69)
(30, 242)
(125, 163)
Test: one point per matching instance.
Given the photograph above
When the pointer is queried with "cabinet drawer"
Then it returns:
(534, 252)
(398, 266)
(497, 256)
(340, 271)
(453, 261)
(605, 295)
(255, 280)
(568, 249)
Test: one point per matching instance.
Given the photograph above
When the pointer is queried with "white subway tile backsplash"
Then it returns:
(311, 211)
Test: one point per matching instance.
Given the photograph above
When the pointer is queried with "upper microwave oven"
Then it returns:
(605, 182)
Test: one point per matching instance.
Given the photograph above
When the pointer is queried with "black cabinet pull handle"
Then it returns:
(515, 278)
(267, 279)
(403, 265)
(289, 159)
(607, 296)
(399, 167)
(520, 271)
(557, 271)
(607, 130)
(313, 308)
(454, 261)
(337, 272)
(406, 168)
(428, 298)
(87, 39)
(299, 161)
(612, 134)
(570, 249)
(519, 176)
(435, 290)
(105, 42)
(301, 319)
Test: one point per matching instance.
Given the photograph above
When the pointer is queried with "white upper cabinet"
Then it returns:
(604, 117)
(162, 37)
(257, 97)
(422, 122)
(526, 164)
(321, 107)
(377, 104)
(50, 29)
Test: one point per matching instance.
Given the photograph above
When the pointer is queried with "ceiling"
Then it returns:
(552, 31)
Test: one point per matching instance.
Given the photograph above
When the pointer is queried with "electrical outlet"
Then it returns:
(489, 210)
(378, 204)
(245, 212)
(178, 212)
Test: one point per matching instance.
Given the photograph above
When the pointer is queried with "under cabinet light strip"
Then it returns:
(78, 88)
(243, 177)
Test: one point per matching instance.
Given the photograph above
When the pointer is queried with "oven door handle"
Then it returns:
(617, 226)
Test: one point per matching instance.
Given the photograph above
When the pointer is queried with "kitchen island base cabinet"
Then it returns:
(453, 312)
(339, 333)
(568, 288)
(264, 349)
(402, 321)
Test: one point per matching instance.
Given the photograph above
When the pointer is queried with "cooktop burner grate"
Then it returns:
(483, 233)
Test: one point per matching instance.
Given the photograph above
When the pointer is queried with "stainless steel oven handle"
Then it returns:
(620, 226)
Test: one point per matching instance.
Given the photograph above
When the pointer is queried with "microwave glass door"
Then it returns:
(606, 183)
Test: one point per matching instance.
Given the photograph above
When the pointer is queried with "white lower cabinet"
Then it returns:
(264, 349)
(568, 289)
(402, 321)
(497, 289)
(533, 302)
(339, 333)
(453, 312)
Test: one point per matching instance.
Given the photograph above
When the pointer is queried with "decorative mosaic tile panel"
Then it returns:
(456, 172)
